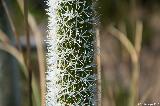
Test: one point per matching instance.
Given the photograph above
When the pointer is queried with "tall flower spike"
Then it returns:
(71, 73)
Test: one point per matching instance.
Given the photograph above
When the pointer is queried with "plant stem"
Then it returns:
(99, 83)
(135, 64)
(28, 49)
(71, 75)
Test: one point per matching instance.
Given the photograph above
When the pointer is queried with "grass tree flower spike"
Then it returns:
(71, 69)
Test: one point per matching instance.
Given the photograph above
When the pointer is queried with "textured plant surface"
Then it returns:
(71, 74)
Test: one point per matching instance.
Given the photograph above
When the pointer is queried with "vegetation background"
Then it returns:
(119, 19)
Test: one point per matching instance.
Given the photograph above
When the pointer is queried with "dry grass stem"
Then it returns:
(99, 83)
(138, 36)
(135, 64)
(27, 58)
